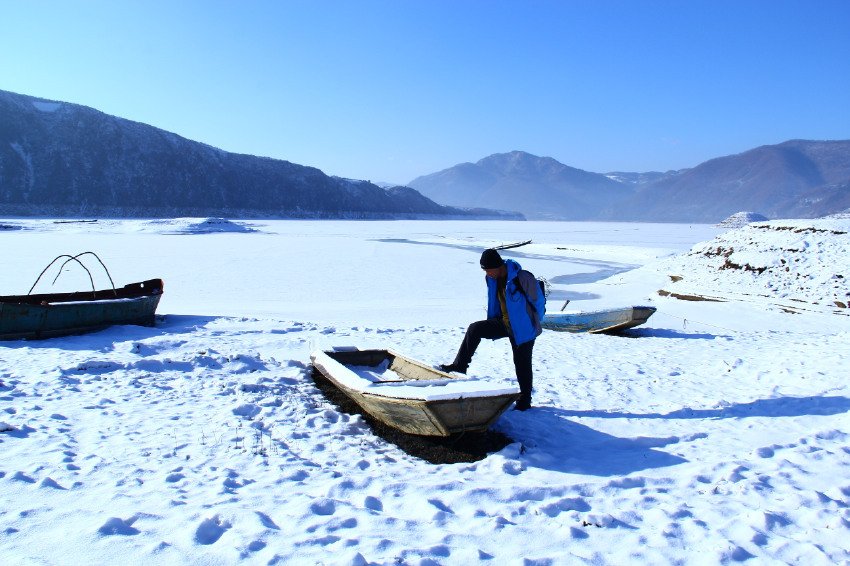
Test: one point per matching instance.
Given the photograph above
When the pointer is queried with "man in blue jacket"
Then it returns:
(515, 305)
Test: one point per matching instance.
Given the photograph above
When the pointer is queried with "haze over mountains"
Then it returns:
(795, 179)
(539, 186)
(61, 159)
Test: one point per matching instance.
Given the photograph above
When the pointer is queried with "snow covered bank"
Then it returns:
(715, 434)
(789, 264)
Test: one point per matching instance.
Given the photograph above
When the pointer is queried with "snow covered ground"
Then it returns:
(716, 433)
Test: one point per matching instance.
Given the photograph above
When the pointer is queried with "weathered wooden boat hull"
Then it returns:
(35, 317)
(611, 320)
(474, 412)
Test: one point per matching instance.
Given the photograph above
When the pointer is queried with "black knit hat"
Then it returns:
(491, 259)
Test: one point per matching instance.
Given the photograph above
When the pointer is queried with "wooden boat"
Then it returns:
(609, 320)
(60, 314)
(413, 397)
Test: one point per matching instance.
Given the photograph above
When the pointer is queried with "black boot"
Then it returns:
(449, 368)
(523, 404)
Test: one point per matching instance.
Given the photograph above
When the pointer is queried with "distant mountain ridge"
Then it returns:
(794, 179)
(62, 159)
(539, 187)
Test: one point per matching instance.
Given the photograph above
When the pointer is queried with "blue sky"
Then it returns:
(390, 90)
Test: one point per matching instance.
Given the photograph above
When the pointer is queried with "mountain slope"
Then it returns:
(64, 159)
(539, 187)
(798, 179)
(794, 179)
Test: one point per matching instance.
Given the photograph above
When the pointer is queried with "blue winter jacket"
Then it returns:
(524, 313)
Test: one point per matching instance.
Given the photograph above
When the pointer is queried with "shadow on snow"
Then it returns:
(777, 407)
(570, 447)
(574, 448)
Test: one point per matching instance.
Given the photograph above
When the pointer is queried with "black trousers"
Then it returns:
(493, 329)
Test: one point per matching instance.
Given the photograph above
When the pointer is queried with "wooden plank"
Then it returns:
(411, 369)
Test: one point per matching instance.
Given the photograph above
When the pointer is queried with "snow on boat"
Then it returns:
(609, 320)
(411, 396)
(34, 317)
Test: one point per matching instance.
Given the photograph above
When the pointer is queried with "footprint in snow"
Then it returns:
(11, 430)
(116, 526)
(566, 504)
(323, 507)
(160, 366)
(230, 485)
(765, 452)
(737, 474)
(773, 521)
(247, 410)
(441, 506)
(358, 560)
(256, 546)
(267, 521)
(373, 503)
(512, 467)
(298, 475)
(210, 530)
(739, 554)
(627, 483)
(143, 349)
(20, 476)
(50, 482)
(440, 550)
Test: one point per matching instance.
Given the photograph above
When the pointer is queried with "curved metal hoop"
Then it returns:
(75, 258)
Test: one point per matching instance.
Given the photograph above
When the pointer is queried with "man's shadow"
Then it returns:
(552, 441)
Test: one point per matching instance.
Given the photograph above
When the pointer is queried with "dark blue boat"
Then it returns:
(34, 317)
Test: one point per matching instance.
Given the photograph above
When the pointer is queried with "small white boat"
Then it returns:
(609, 320)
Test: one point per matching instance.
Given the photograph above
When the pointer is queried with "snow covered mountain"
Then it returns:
(61, 159)
(539, 187)
(795, 179)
